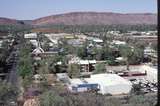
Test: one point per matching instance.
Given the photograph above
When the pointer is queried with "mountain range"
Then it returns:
(87, 18)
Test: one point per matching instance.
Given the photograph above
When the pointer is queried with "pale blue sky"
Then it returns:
(32, 9)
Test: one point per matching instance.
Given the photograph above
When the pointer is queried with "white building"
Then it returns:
(1, 42)
(106, 83)
(86, 66)
(34, 42)
(151, 73)
(117, 42)
(111, 84)
(30, 36)
(98, 40)
(63, 77)
(95, 40)
(81, 85)
(38, 50)
(149, 51)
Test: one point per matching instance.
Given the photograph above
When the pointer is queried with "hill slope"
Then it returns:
(7, 21)
(97, 18)
(87, 18)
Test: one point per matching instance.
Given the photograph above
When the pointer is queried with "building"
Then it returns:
(136, 72)
(132, 75)
(34, 43)
(149, 52)
(30, 36)
(146, 38)
(54, 36)
(63, 77)
(86, 66)
(111, 84)
(117, 42)
(1, 42)
(95, 40)
(80, 85)
(151, 73)
(102, 83)
(75, 42)
(98, 41)
(38, 51)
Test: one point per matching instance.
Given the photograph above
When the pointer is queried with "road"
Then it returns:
(13, 74)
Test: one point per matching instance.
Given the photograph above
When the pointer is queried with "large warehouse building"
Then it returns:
(105, 83)
(111, 84)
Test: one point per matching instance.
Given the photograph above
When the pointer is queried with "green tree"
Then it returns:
(8, 93)
(137, 56)
(25, 67)
(51, 98)
(100, 68)
(43, 67)
(73, 70)
(126, 52)
(54, 67)
(25, 61)
(45, 46)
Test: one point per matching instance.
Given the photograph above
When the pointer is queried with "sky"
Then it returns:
(32, 9)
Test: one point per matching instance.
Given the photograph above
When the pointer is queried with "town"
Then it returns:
(107, 64)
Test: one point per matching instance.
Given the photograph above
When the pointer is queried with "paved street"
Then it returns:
(13, 75)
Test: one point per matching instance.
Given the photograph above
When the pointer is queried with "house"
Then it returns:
(40, 52)
(95, 40)
(132, 75)
(37, 51)
(136, 72)
(34, 43)
(75, 42)
(86, 66)
(63, 77)
(57, 36)
(149, 52)
(117, 42)
(151, 73)
(113, 32)
(98, 40)
(30, 36)
(146, 38)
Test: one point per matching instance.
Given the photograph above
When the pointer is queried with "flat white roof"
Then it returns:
(84, 62)
(119, 58)
(98, 40)
(92, 61)
(87, 61)
(30, 35)
(118, 42)
(107, 79)
(102, 79)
